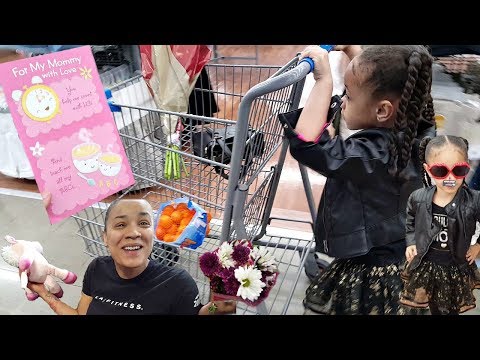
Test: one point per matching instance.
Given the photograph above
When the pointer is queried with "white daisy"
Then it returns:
(250, 283)
(225, 255)
(264, 259)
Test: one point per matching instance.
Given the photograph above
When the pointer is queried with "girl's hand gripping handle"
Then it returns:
(309, 60)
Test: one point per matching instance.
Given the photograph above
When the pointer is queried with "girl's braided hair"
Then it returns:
(404, 72)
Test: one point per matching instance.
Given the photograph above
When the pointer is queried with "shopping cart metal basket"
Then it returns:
(247, 96)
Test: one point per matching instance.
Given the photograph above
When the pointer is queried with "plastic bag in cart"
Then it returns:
(193, 234)
(171, 72)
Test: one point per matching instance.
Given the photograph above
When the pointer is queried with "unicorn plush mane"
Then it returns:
(9, 256)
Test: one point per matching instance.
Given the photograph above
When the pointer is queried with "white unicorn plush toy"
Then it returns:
(28, 257)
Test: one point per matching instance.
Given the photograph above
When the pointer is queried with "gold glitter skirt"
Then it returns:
(445, 288)
(348, 287)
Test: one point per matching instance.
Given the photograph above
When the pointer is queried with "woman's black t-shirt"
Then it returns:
(159, 290)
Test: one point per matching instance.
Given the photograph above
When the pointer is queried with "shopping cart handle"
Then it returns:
(310, 61)
(327, 47)
(113, 107)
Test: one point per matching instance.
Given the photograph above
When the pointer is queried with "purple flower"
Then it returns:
(216, 284)
(226, 273)
(209, 264)
(241, 254)
(231, 285)
(269, 278)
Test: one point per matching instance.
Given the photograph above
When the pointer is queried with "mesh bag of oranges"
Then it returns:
(181, 222)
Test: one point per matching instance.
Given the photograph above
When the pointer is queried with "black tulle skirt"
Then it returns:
(350, 287)
(446, 289)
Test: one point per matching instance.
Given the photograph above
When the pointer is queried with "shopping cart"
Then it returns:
(248, 96)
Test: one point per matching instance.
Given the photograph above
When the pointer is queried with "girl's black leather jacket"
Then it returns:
(463, 212)
(362, 205)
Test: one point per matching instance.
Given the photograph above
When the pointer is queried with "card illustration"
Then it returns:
(59, 108)
(39, 102)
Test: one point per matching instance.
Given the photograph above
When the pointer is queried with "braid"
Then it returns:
(466, 143)
(415, 109)
(405, 73)
(401, 120)
(411, 117)
(462, 144)
(429, 112)
(422, 151)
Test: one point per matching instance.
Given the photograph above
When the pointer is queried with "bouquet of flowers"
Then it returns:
(238, 270)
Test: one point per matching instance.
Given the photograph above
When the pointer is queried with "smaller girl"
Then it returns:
(441, 219)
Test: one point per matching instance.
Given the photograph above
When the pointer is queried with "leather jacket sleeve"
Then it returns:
(352, 158)
(410, 221)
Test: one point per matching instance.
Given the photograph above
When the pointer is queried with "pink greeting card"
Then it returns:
(59, 108)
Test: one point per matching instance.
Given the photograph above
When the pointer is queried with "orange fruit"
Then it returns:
(182, 206)
(185, 213)
(160, 233)
(209, 217)
(165, 221)
(167, 210)
(184, 222)
(176, 217)
(180, 229)
(190, 215)
(169, 238)
(173, 229)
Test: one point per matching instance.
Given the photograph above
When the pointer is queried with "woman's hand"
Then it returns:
(58, 306)
(320, 59)
(472, 253)
(411, 252)
(47, 199)
(218, 308)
